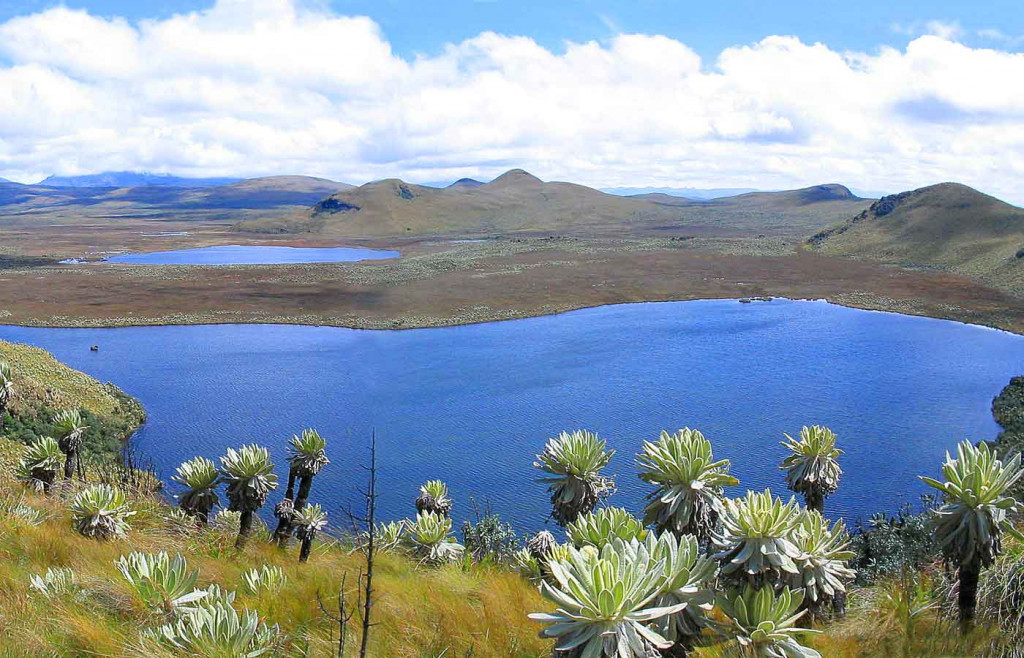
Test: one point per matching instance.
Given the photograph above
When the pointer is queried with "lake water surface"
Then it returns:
(472, 405)
(254, 255)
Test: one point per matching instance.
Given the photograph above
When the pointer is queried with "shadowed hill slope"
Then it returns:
(276, 194)
(948, 226)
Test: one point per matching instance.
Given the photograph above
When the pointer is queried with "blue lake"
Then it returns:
(254, 255)
(472, 405)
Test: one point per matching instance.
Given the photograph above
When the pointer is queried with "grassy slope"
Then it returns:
(44, 386)
(420, 612)
(42, 378)
(948, 226)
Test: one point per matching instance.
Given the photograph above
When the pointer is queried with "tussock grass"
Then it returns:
(419, 611)
(456, 610)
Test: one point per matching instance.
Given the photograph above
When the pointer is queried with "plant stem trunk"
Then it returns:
(305, 484)
(371, 509)
(283, 523)
(968, 595)
(244, 529)
(839, 605)
(286, 528)
(307, 546)
(815, 501)
(69, 464)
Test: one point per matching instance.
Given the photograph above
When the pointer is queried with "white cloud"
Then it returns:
(993, 34)
(950, 30)
(254, 87)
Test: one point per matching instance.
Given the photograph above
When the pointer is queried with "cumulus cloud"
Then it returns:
(254, 87)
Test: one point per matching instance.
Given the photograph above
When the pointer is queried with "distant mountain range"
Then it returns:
(695, 193)
(233, 201)
(133, 179)
(517, 202)
(948, 226)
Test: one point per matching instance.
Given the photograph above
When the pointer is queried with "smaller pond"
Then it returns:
(254, 255)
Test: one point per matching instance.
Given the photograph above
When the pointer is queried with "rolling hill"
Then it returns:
(520, 202)
(946, 226)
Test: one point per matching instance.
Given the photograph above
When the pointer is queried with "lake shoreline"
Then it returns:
(442, 284)
(861, 301)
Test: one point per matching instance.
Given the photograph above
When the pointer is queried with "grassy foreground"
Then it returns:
(419, 612)
(457, 610)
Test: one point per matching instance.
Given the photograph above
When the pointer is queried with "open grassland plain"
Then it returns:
(444, 282)
(514, 247)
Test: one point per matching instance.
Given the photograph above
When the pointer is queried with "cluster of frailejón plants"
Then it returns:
(249, 475)
(631, 588)
(307, 455)
(42, 462)
(754, 569)
(192, 621)
(200, 622)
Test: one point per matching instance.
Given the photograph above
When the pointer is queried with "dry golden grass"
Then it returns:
(419, 611)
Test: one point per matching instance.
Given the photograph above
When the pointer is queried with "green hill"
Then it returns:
(947, 226)
(45, 386)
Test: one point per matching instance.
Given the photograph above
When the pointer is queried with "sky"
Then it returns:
(881, 96)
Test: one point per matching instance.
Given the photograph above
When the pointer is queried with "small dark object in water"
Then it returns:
(94, 348)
